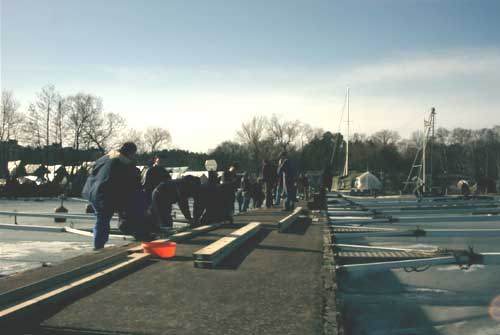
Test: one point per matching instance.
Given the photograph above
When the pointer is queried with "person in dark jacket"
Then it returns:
(257, 193)
(243, 195)
(153, 177)
(229, 188)
(211, 205)
(110, 186)
(269, 178)
(170, 192)
(287, 172)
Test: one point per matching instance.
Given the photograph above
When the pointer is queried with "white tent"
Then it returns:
(367, 182)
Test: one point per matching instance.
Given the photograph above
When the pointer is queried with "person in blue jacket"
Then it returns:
(111, 185)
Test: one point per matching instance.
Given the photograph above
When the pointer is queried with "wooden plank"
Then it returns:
(211, 255)
(179, 237)
(87, 233)
(286, 222)
(17, 312)
(32, 228)
(23, 292)
(53, 215)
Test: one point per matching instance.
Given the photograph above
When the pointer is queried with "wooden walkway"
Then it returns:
(270, 284)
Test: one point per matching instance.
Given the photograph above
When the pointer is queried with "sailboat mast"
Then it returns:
(346, 167)
(348, 134)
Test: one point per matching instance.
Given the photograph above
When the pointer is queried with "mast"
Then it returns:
(346, 167)
(429, 128)
(432, 125)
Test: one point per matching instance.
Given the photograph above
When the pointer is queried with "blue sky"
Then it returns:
(200, 68)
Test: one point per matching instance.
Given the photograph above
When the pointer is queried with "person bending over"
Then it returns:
(110, 187)
(170, 192)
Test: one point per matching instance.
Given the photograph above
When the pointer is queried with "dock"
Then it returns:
(264, 274)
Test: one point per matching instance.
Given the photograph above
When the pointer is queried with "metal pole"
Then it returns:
(423, 157)
(433, 113)
(346, 167)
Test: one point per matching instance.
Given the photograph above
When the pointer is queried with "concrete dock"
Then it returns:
(273, 283)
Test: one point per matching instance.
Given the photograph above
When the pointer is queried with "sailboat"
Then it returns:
(343, 182)
(356, 181)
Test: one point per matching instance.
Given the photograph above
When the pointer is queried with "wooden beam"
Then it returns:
(211, 255)
(289, 220)
(32, 228)
(26, 291)
(179, 237)
(87, 233)
(16, 313)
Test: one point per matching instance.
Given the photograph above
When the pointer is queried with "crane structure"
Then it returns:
(421, 171)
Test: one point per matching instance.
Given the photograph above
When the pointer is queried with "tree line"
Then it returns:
(78, 121)
(459, 153)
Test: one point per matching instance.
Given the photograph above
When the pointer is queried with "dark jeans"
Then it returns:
(269, 194)
(101, 227)
(291, 192)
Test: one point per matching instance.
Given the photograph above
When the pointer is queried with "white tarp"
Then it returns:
(12, 165)
(31, 168)
(367, 182)
(52, 171)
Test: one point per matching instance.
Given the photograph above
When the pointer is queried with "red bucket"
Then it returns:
(160, 249)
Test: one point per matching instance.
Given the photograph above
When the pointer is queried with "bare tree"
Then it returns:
(307, 134)
(59, 121)
(284, 133)
(10, 118)
(102, 129)
(251, 134)
(442, 135)
(386, 137)
(32, 130)
(136, 136)
(156, 138)
(358, 137)
(82, 111)
(48, 99)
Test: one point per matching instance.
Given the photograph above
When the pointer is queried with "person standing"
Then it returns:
(327, 179)
(304, 186)
(245, 188)
(269, 178)
(229, 187)
(287, 172)
(111, 185)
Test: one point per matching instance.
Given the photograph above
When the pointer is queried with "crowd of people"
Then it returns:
(144, 203)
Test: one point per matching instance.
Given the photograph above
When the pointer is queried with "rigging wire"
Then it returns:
(334, 149)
